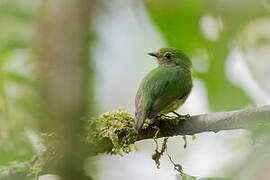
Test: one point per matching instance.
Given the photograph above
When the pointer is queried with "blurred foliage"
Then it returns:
(181, 24)
(16, 80)
(16, 147)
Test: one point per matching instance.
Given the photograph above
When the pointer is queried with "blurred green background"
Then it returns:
(228, 42)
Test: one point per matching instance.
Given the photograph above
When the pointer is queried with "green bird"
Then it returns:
(165, 88)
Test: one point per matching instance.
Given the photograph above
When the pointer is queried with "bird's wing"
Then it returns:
(138, 103)
(159, 88)
(141, 107)
(169, 86)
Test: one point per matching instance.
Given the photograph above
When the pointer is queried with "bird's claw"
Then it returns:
(179, 116)
(184, 117)
(163, 115)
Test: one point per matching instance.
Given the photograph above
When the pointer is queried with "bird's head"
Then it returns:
(171, 57)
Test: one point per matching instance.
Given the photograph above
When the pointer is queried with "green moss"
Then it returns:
(158, 154)
(185, 141)
(118, 127)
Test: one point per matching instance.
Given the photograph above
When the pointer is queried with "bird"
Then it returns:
(165, 88)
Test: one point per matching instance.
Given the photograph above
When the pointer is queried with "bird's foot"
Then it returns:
(163, 116)
(183, 117)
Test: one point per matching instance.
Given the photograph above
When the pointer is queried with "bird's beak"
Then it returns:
(153, 54)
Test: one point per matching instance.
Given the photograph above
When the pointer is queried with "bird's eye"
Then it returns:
(168, 55)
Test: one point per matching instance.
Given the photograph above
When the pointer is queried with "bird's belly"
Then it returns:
(174, 105)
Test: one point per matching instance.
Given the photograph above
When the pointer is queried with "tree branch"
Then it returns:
(213, 122)
(113, 132)
(241, 119)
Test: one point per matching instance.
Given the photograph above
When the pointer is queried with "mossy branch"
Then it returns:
(113, 133)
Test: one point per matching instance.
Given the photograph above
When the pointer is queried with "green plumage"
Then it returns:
(165, 88)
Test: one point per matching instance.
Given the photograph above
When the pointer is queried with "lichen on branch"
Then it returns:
(114, 132)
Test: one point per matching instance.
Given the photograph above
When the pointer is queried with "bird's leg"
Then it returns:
(185, 117)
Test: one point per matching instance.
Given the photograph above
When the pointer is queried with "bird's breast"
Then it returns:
(174, 105)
